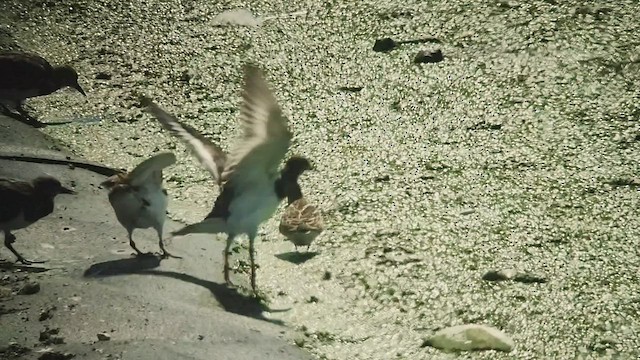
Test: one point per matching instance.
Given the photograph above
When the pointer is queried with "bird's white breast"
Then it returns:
(131, 210)
(251, 208)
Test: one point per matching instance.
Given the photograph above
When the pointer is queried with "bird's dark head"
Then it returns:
(67, 76)
(50, 186)
(296, 165)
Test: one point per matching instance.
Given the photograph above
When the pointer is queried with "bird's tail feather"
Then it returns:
(207, 226)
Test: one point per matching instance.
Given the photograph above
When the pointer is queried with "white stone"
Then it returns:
(471, 337)
(240, 17)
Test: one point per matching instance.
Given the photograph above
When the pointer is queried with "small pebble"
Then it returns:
(103, 76)
(499, 275)
(529, 279)
(382, 178)
(46, 313)
(29, 288)
(350, 88)
(424, 56)
(327, 275)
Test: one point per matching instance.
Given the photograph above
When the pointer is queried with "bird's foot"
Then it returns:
(227, 280)
(165, 254)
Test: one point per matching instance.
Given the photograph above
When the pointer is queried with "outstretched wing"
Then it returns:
(265, 136)
(145, 169)
(210, 155)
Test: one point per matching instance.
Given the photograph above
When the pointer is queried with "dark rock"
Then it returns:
(46, 313)
(48, 336)
(625, 182)
(55, 355)
(499, 275)
(383, 178)
(483, 125)
(103, 76)
(313, 299)
(425, 56)
(509, 274)
(350, 88)
(384, 45)
(13, 351)
(103, 337)
(326, 276)
(529, 278)
(29, 288)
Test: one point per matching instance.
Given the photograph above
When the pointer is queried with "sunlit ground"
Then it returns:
(518, 151)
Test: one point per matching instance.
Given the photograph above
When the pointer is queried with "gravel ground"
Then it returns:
(518, 151)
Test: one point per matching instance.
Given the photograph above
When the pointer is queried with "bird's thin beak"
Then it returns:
(79, 88)
(64, 190)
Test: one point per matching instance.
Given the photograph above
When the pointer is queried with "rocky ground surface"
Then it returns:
(498, 186)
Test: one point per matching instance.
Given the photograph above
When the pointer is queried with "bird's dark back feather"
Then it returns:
(19, 196)
(23, 71)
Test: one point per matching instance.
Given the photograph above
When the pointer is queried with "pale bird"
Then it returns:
(139, 199)
(251, 185)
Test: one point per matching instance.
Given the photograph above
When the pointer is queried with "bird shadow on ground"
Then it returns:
(8, 265)
(122, 266)
(297, 257)
(230, 299)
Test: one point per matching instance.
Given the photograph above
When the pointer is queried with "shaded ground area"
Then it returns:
(518, 151)
(90, 284)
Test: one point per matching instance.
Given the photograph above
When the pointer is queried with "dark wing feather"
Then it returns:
(265, 139)
(151, 167)
(21, 71)
(13, 193)
(211, 156)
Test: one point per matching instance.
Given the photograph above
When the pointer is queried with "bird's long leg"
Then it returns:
(252, 257)
(164, 254)
(133, 244)
(227, 248)
(9, 239)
